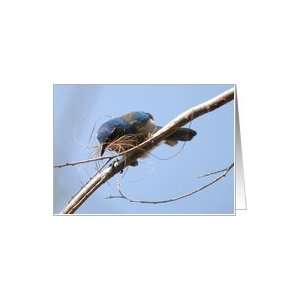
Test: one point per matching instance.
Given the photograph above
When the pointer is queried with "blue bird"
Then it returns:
(124, 132)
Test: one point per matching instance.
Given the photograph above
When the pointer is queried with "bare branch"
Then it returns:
(131, 155)
(212, 173)
(75, 163)
(123, 196)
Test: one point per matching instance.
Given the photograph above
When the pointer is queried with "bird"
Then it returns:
(129, 130)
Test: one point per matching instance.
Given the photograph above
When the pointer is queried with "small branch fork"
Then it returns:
(131, 155)
(123, 196)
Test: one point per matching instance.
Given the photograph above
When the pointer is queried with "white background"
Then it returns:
(254, 255)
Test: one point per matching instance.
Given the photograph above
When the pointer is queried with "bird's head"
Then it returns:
(110, 131)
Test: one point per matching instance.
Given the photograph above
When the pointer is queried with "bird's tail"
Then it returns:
(181, 134)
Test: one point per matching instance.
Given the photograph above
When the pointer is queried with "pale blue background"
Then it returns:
(77, 108)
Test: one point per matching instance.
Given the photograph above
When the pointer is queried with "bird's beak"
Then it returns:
(103, 147)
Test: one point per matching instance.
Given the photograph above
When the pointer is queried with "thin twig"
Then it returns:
(119, 144)
(212, 173)
(123, 196)
(78, 162)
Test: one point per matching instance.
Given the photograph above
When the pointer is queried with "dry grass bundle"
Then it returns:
(121, 144)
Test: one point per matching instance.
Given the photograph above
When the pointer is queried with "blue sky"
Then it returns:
(80, 108)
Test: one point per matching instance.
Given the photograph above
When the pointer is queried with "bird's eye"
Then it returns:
(151, 116)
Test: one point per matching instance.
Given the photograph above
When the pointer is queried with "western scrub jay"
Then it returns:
(124, 132)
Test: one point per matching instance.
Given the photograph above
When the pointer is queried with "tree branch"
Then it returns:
(136, 152)
(123, 196)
